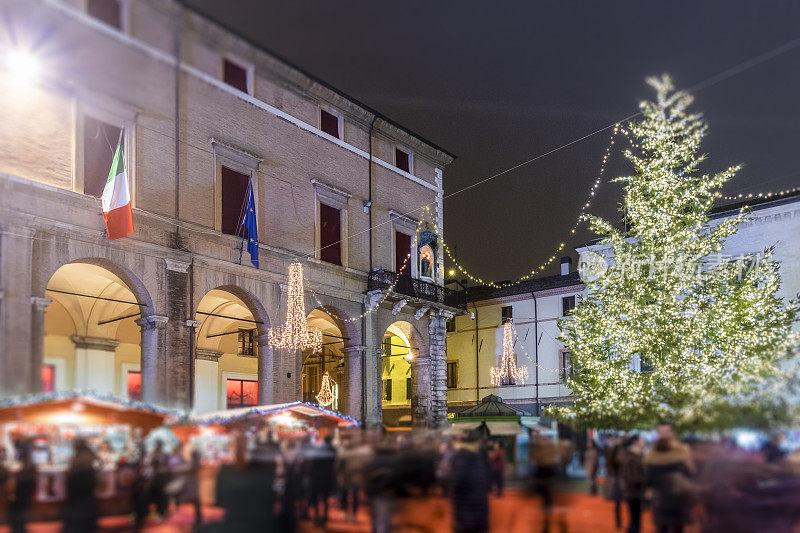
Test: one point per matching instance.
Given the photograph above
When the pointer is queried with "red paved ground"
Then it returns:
(513, 512)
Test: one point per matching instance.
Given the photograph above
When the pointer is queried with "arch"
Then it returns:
(330, 360)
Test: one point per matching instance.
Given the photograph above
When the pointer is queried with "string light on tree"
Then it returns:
(325, 396)
(296, 334)
(508, 373)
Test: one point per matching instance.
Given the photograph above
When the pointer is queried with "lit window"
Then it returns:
(234, 201)
(567, 305)
(234, 75)
(245, 342)
(330, 234)
(241, 393)
(134, 384)
(426, 262)
(402, 160)
(507, 314)
(408, 389)
(48, 378)
(107, 11)
(567, 370)
(452, 374)
(99, 144)
(387, 390)
(402, 253)
(329, 123)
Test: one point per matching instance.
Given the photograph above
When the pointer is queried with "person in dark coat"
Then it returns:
(242, 492)
(631, 477)
(322, 479)
(5, 477)
(497, 465)
(24, 490)
(668, 472)
(613, 491)
(80, 506)
(591, 464)
(469, 486)
(773, 453)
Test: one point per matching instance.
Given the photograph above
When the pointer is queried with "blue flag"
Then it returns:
(251, 226)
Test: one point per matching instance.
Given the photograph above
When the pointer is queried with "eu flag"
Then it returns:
(251, 226)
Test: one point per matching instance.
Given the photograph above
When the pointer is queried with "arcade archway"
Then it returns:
(399, 349)
(330, 360)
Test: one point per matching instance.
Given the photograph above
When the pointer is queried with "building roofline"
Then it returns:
(312, 77)
(755, 204)
(480, 293)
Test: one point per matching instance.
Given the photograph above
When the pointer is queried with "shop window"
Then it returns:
(408, 389)
(234, 201)
(108, 11)
(567, 305)
(507, 314)
(402, 253)
(567, 370)
(246, 342)
(402, 160)
(99, 144)
(48, 378)
(387, 390)
(330, 234)
(234, 75)
(329, 123)
(134, 384)
(452, 374)
(241, 393)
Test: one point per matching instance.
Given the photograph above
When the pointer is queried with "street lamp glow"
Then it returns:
(22, 66)
(452, 272)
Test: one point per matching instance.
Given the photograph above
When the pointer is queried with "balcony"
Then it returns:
(380, 280)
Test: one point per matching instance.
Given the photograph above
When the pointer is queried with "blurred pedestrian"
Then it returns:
(550, 458)
(497, 465)
(352, 461)
(158, 468)
(5, 482)
(591, 463)
(323, 479)
(631, 474)
(382, 486)
(668, 472)
(772, 451)
(469, 487)
(612, 489)
(24, 489)
(80, 506)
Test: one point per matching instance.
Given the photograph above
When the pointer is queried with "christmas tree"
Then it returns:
(674, 329)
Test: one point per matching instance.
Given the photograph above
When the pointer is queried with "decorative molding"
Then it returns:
(404, 221)
(39, 304)
(421, 311)
(177, 265)
(206, 354)
(398, 306)
(152, 321)
(352, 351)
(372, 298)
(331, 194)
(95, 343)
(236, 155)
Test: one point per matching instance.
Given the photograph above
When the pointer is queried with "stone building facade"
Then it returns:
(176, 313)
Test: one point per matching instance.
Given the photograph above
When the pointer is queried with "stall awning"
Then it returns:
(504, 428)
(228, 416)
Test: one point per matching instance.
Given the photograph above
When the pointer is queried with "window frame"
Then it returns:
(124, 16)
(246, 337)
(241, 388)
(223, 390)
(410, 154)
(506, 319)
(123, 377)
(447, 375)
(387, 390)
(564, 300)
(247, 66)
(338, 199)
(339, 121)
(240, 161)
(60, 365)
(407, 225)
(409, 388)
(562, 367)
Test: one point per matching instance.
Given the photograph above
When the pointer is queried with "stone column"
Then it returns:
(437, 352)
(152, 359)
(16, 256)
(38, 308)
(266, 371)
(421, 387)
(373, 383)
(95, 364)
(351, 391)
(178, 376)
(206, 380)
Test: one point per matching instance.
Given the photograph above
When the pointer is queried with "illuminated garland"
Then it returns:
(325, 396)
(296, 334)
(508, 372)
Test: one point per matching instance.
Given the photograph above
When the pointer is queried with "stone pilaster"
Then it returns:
(266, 371)
(421, 387)
(16, 251)
(153, 358)
(437, 353)
(38, 308)
(351, 390)
(178, 359)
(372, 395)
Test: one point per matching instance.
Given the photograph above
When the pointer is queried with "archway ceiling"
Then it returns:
(222, 303)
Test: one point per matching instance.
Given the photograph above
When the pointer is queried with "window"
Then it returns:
(387, 390)
(241, 393)
(451, 325)
(402, 253)
(234, 75)
(330, 234)
(506, 314)
(402, 160)
(387, 346)
(329, 123)
(645, 364)
(99, 144)
(408, 389)
(234, 201)
(134, 384)
(452, 374)
(48, 378)
(567, 370)
(107, 11)
(246, 342)
(567, 305)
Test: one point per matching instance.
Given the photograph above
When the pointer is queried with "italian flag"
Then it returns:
(116, 199)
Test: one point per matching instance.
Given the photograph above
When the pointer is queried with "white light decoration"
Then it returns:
(325, 396)
(296, 334)
(508, 371)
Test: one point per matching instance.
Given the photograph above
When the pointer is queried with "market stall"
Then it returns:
(46, 426)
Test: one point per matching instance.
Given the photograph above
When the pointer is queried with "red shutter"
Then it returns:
(134, 382)
(329, 123)
(48, 378)
(234, 75)
(99, 143)
(330, 234)
(402, 160)
(234, 194)
(402, 250)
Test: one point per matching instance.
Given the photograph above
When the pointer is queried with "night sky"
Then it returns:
(498, 83)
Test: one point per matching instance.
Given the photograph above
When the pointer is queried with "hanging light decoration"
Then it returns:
(508, 373)
(325, 396)
(296, 333)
